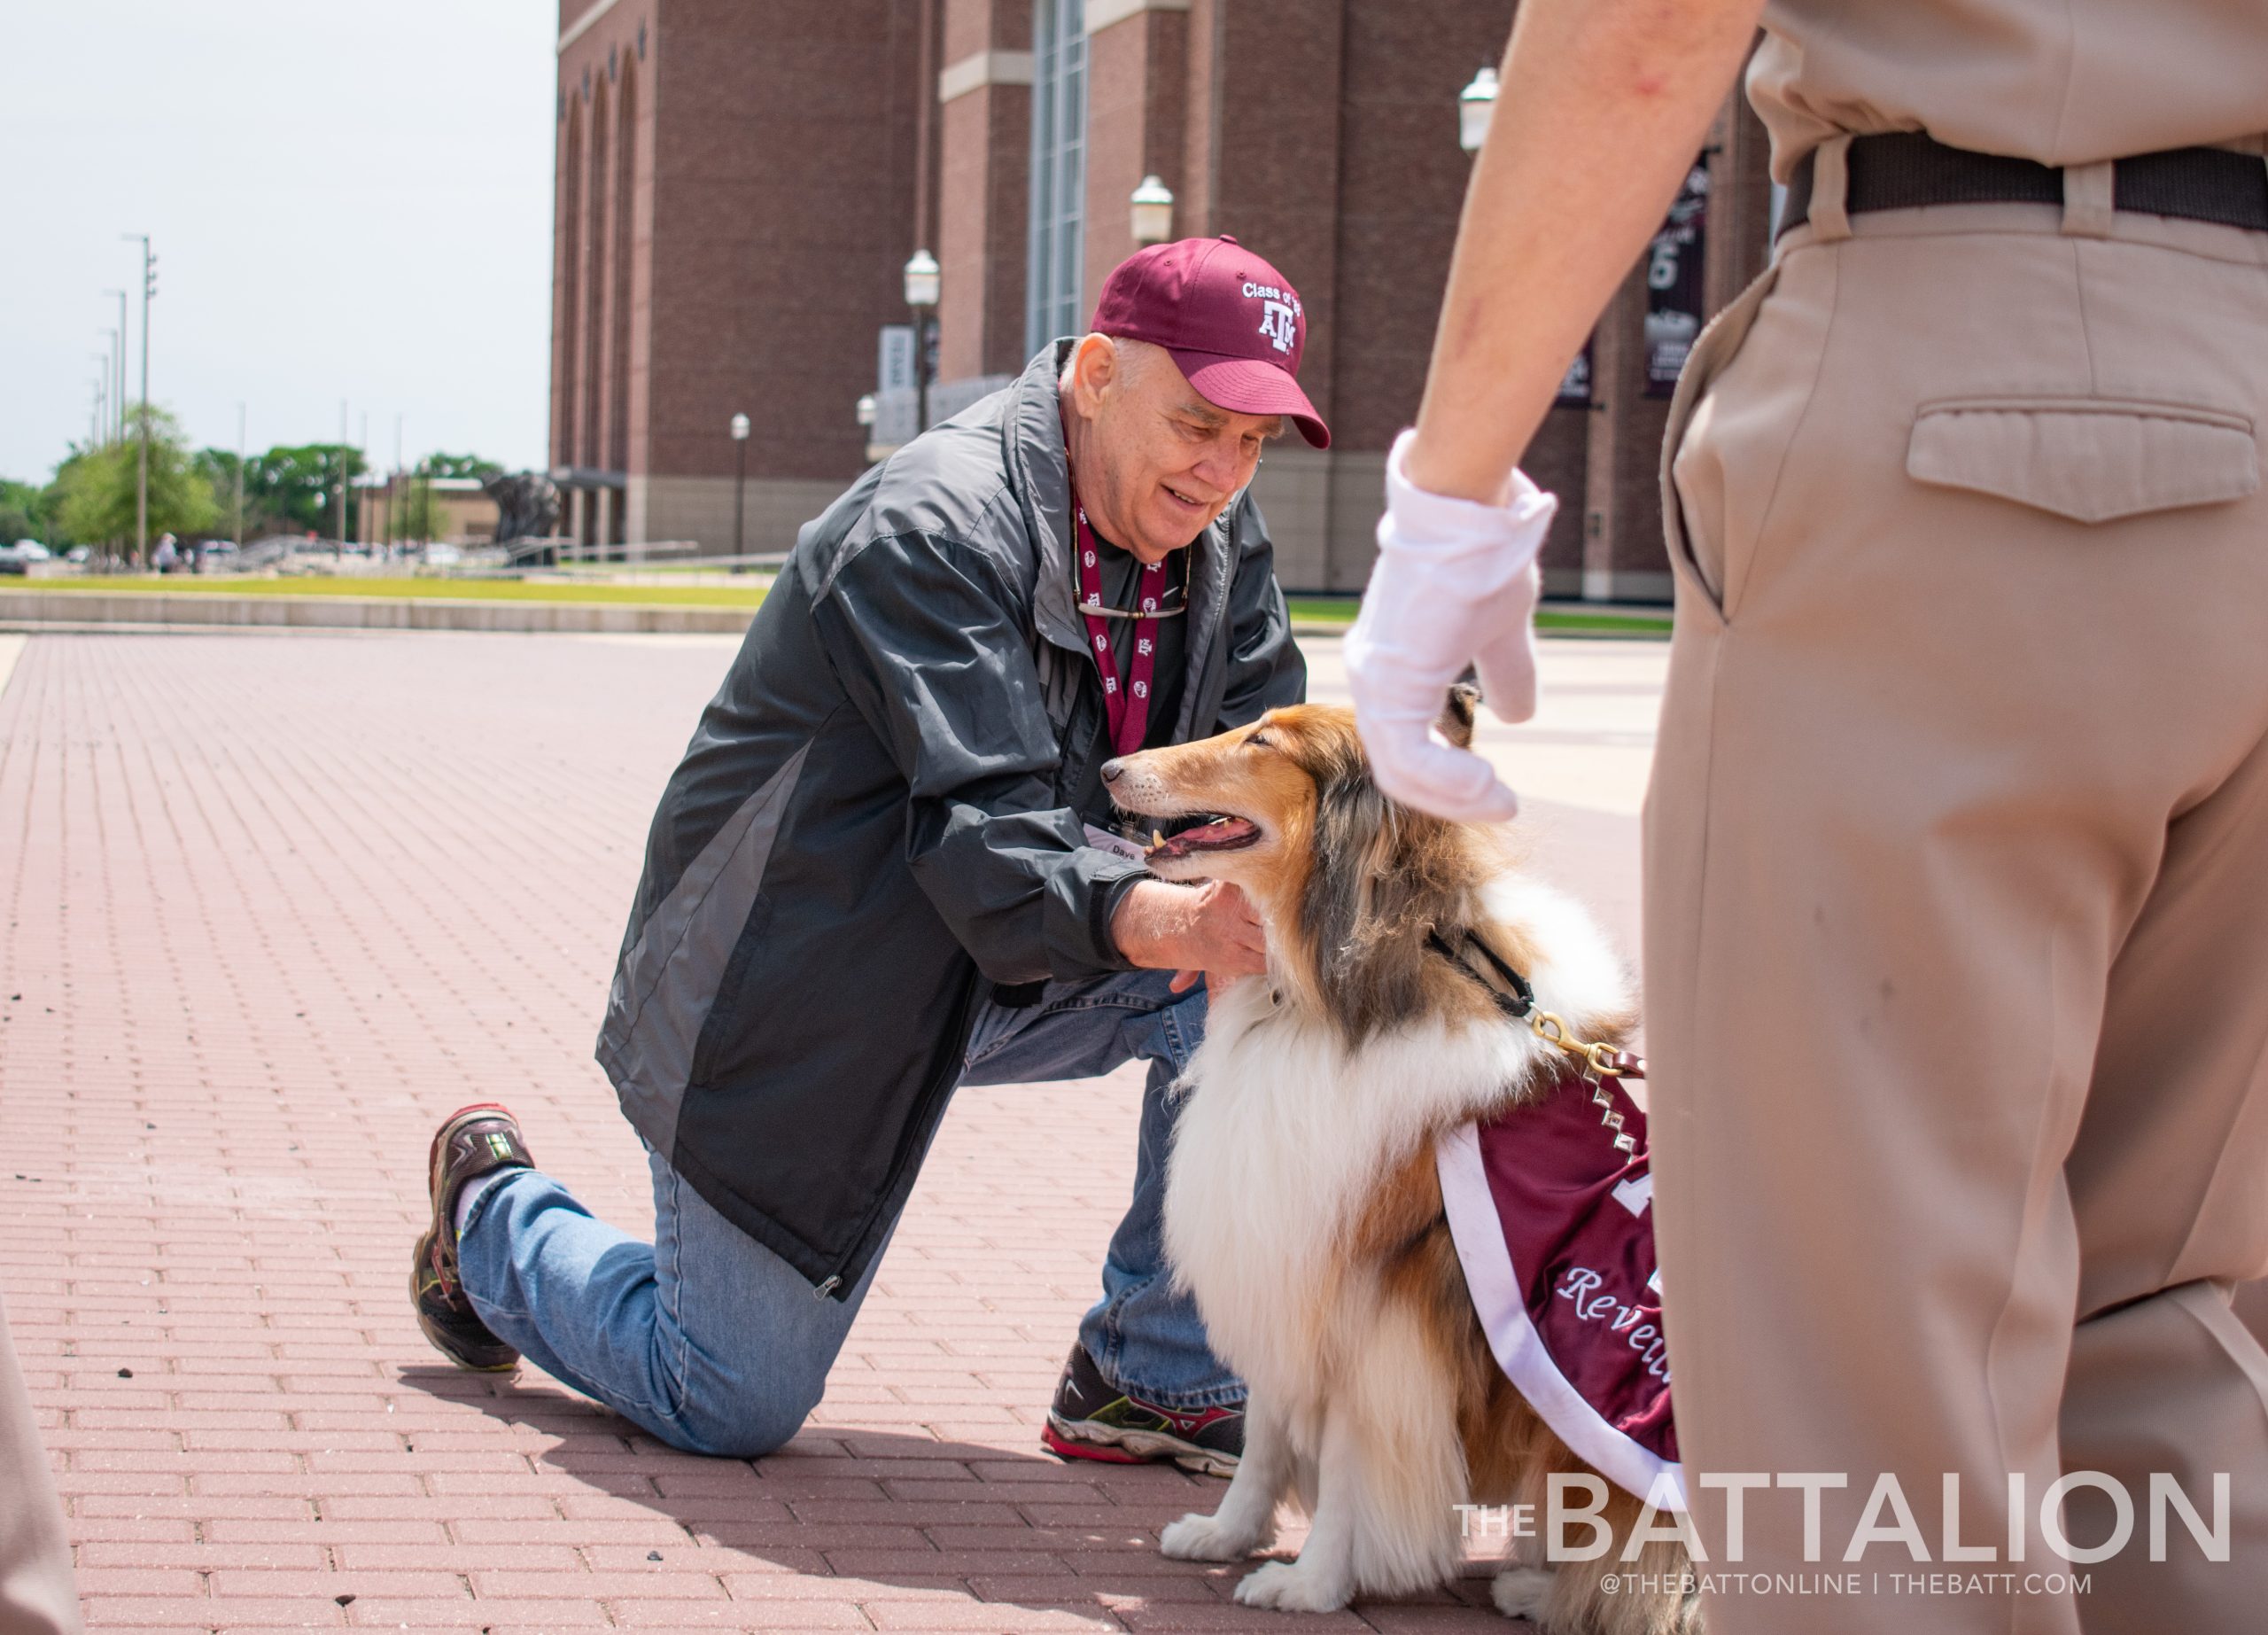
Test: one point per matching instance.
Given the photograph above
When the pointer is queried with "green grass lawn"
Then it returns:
(404, 589)
(1552, 618)
(1341, 611)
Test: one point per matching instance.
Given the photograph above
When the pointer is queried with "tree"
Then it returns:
(92, 498)
(295, 489)
(23, 513)
(460, 465)
(218, 468)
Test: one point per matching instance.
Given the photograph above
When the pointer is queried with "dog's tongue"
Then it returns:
(1220, 832)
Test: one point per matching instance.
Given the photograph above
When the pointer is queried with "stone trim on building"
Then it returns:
(1102, 14)
(980, 69)
(581, 26)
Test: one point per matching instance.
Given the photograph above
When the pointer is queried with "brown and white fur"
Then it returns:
(1302, 1207)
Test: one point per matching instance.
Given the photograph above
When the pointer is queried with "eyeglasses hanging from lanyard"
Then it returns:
(1127, 707)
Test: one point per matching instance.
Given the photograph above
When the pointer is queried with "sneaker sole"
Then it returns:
(1113, 1444)
(433, 1335)
(438, 1339)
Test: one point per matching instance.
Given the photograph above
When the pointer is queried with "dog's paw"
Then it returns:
(1521, 1591)
(1289, 1586)
(1206, 1539)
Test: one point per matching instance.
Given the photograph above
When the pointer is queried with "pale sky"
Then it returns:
(346, 201)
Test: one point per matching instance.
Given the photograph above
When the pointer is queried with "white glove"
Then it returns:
(1455, 584)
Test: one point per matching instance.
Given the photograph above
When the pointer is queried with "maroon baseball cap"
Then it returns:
(1233, 321)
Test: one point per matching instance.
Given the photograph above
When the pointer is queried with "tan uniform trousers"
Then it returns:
(1957, 910)
(36, 1597)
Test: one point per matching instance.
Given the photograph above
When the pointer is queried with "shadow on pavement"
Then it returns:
(871, 1514)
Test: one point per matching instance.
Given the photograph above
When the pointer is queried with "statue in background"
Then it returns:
(527, 505)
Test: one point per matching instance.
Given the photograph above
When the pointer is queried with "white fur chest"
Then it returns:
(1281, 1142)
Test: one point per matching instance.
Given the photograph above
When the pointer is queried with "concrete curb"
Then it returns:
(33, 609)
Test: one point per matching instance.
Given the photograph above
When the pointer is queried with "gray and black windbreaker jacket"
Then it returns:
(872, 823)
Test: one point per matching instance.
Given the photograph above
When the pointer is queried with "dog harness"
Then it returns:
(1550, 1203)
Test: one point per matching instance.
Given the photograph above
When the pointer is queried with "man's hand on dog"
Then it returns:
(1207, 931)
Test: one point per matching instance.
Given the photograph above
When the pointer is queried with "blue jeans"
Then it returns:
(713, 1344)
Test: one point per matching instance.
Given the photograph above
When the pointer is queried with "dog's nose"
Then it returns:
(1111, 769)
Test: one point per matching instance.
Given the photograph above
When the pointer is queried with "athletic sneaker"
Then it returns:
(472, 1143)
(1092, 1419)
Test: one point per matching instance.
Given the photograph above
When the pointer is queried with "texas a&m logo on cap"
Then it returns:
(1280, 314)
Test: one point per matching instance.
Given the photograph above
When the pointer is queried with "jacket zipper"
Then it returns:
(827, 1285)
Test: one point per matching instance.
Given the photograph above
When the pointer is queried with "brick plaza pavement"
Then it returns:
(274, 905)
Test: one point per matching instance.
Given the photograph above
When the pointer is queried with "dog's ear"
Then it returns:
(1456, 721)
(1350, 817)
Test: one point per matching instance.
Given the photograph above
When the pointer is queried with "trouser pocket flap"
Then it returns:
(2089, 459)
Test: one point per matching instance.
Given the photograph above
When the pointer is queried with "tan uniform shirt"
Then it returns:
(2063, 81)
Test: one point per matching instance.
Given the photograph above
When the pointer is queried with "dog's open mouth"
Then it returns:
(1219, 834)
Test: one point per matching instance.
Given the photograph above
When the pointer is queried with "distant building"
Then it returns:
(741, 182)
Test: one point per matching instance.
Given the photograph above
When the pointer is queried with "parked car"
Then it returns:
(24, 550)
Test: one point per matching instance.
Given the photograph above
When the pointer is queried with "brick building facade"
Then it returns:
(740, 182)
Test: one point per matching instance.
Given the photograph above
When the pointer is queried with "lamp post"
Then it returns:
(865, 414)
(1475, 105)
(923, 282)
(740, 481)
(1152, 210)
(142, 482)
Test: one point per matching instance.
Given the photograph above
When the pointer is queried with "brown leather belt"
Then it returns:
(1901, 170)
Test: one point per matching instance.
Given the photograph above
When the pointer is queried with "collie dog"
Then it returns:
(1303, 1208)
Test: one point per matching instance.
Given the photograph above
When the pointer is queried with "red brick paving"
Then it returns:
(274, 905)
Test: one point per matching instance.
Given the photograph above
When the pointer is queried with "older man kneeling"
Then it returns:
(882, 869)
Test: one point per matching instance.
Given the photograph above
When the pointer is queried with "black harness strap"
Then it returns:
(1518, 1004)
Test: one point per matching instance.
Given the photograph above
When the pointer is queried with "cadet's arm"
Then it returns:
(1603, 105)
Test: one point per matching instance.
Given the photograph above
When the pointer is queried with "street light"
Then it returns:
(1153, 202)
(142, 485)
(740, 482)
(1475, 103)
(924, 282)
(865, 412)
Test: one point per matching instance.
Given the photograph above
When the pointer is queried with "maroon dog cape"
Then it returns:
(1553, 1218)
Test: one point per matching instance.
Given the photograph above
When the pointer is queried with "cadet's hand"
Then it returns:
(1455, 584)
(1193, 931)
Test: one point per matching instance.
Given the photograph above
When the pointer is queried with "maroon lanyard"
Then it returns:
(1130, 718)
